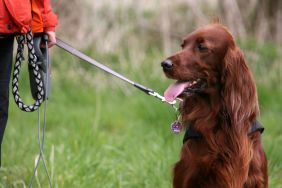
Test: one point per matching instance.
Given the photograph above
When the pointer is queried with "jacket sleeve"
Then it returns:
(43, 17)
(20, 13)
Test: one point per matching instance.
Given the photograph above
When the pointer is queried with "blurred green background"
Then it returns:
(102, 132)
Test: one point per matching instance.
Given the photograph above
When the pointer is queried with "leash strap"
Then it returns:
(38, 65)
(44, 66)
(91, 61)
(44, 62)
(32, 62)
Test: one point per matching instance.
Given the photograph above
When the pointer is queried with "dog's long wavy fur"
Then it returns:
(226, 156)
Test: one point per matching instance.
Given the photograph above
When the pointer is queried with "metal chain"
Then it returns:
(32, 60)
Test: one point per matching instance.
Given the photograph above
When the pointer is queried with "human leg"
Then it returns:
(6, 56)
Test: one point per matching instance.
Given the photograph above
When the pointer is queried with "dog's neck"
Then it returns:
(204, 107)
(207, 111)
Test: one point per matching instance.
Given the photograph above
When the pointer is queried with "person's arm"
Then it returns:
(44, 19)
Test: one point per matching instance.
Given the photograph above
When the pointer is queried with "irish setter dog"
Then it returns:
(219, 111)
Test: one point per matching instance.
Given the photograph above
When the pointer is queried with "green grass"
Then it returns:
(102, 132)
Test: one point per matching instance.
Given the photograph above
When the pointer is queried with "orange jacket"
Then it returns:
(18, 16)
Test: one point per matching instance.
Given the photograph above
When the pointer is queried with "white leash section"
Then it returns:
(91, 61)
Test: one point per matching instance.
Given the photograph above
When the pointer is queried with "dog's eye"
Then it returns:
(202, 48)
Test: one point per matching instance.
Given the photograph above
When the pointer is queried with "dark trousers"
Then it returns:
(6, 56)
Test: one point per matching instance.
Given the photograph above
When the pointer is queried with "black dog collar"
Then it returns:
(191, 132)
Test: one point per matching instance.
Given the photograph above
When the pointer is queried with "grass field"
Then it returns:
(104, 133)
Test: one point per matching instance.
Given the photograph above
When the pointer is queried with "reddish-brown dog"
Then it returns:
(223, 148)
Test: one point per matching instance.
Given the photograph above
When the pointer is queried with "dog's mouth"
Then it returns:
(182, 89)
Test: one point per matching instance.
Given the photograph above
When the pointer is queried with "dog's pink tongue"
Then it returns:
(174, 90)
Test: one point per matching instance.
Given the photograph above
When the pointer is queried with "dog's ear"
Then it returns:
(239, 90)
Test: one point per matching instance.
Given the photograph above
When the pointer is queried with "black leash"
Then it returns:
(91, 61)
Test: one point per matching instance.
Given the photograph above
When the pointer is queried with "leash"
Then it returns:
(32, 62)
(44, 71)
(40, 84)
(91, 61)
(38, 66)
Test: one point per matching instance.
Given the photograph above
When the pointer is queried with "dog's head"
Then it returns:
(210, 63)
(197, 66)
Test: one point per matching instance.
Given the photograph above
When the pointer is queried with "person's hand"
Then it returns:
(51, 38)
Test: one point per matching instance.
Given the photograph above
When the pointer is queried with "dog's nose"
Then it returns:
(167, 64)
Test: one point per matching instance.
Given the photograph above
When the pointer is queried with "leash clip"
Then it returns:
(160, 97)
